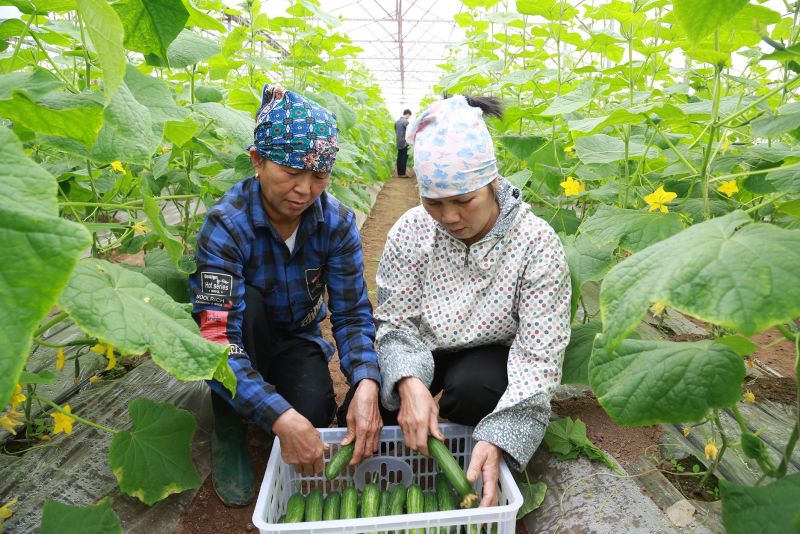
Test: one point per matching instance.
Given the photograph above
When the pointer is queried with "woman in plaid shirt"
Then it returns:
(266, 253)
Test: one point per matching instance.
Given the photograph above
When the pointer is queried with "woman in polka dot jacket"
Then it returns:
(473, 299)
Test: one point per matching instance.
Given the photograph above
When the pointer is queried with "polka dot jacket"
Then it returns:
(512, 288)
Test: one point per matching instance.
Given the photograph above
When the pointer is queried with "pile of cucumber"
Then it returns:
(452, 491)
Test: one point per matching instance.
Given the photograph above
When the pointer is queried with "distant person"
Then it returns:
(267, 254)
(402, 145)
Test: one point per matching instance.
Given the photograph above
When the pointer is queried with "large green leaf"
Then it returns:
(633, 230)
(154, 94)
(172, 244)
(644, 382)
(159, 268)
(127, 133)
(775, 125)
(151, 25)
(578, 98)
(60, 518)
(187, 49)
(39, 246)
(588, 261)
(106, 32)
(238, 125)
(701, 17)
(603, 148)
(127, 310)
(154, 459)
(770, 508)
(576, 357)
(24, 99)
(727, 271)
(202, 20)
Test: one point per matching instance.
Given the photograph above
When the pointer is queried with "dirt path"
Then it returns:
(207, 514)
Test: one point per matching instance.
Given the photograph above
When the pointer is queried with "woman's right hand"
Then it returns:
(301, 444)
(419, 414)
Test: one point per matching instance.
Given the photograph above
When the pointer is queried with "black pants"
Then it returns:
(402, 158)
(471, 381)
(296, 367)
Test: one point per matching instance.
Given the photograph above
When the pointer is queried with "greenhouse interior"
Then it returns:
(358, 266)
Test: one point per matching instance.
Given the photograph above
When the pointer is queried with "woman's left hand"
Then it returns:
(485, 462)
(364, 421)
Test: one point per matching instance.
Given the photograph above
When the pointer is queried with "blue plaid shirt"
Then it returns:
(237, 245)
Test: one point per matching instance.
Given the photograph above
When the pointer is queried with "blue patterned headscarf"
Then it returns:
(294, 131)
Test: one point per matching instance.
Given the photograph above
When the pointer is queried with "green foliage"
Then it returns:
(567, 440)
(769, 508)
(60, 518)
(154, 459)
(532, 497)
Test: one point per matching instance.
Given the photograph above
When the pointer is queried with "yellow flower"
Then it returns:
(751, 363)
(117, 166)
(725, 144)
(17, 398)
(5, 510)
(572, 187)
(729, 188)
(686, 430)
(63, 422)
(112, 361)
(657, 308)
(10, 420)
(94, 379)
(749, 397)
(570, 149)
(140, 228)
(659, 199)
(711, 449)
(60, 358)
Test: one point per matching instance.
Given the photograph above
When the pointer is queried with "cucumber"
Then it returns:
(330, 509)
(314, 506)
(429, 502)
(282, 519)
(339, 461)
(449, 466)
(397, 499)
(349, 508)
(295, 508)
(370, 500)
(415, 504)
(446, 499)
(383, 506)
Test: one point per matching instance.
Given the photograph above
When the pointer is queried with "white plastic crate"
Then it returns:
(281, 481)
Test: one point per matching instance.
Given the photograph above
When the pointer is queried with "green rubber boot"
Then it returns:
(231, 468)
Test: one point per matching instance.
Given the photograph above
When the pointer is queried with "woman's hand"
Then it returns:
(485, 462)
(364, 421)
(419, 414)
(301, 445)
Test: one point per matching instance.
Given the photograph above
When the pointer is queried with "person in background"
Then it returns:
(402, 146)
(473, 299)
(266, 254)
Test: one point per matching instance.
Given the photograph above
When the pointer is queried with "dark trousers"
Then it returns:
(471, 382)
(296, 367)
(402, 158)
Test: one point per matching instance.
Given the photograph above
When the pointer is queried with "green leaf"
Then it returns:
(576, 357)
(237, 124)
(224, 375)
(42, 377)
(567, 439)
(562, 220)
(644, 382)
(632, 230)
(151, 25)
(769, 508)
(549, 9)
(199, 19)
(790, 208)
(159, 268)
(701, 17)
(182, 131)
(578, 98)
(785, 179)
(741, 345)
(127, 133)
(189, 48)
(587, 262)
(45, 247)
(775, 125)
(127, 310)
(60, 518)
(520, 178)
(726, 271)
(24, 99)
(603, 148)
(155, 95)
(106, 32)
(172, 244)
(154, 459)
(532, 497)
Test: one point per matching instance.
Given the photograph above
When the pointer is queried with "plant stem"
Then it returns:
(55, 320)
(718, 459)
(782, 87)
(76, 417)
(18, 46)
(85, 341)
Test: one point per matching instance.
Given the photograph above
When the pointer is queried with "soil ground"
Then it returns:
(207, 514)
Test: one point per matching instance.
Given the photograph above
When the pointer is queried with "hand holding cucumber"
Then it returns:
(419, 414)
(301, 445)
